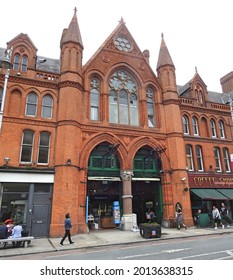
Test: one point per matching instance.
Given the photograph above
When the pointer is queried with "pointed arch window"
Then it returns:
(195, 126)
(226, 160)
(189, 157)
(44, 143)
(221, 129)
(31, 106)
(47, 107)
(27, 146)
(24, 64)
(185, 124)
(16, 62)
(123, 99)
(213, 129)
(150, 107)
(20, 63)
(199, 158)
(217, 159)
(94, 99)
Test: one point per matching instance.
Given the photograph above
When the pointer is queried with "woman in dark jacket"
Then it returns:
(67, 225)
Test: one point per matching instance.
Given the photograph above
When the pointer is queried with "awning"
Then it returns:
(209, 194)
(104, 178)
(145, 179)
(227, 192)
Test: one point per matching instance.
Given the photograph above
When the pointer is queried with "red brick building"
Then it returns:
(78, 138)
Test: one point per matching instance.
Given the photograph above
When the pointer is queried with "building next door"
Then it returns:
(41, 210)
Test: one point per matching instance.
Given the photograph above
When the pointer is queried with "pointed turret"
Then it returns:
(164, 55)
(71, 47)
(166, 69)
(72, 33)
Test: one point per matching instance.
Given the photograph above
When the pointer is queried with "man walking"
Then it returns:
(68, 226)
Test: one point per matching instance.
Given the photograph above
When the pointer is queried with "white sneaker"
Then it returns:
(215, 228)
(223, 227)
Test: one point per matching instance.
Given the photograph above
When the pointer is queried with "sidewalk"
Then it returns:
(106, 237)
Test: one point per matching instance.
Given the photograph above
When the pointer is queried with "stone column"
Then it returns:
(127, 218)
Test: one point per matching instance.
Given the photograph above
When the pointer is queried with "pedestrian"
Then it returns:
(68, 226)
(216, 217)
(225, 214)
(197, 218)
(17, 231)
(3, 231)
(179, 218)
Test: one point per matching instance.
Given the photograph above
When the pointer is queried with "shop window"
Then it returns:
(221, 129)
(150, 107)
(47, 107)
(27, 146)
(123, 99)
(189, 157)
(94, 99)
(226, 160)
(213, 129)
(199, 158)
(185, 125)
(31, 105)
(14, 202)
(217, 159)
(44, 144)
(195, 126)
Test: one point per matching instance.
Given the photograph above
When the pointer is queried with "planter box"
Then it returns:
(150, 230)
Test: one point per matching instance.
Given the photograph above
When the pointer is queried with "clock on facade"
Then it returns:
(122, 43)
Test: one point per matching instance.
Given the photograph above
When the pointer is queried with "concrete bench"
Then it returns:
(16, 241)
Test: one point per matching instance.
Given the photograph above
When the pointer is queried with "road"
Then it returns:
(218, 247)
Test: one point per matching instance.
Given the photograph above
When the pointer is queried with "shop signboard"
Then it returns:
(116, 212)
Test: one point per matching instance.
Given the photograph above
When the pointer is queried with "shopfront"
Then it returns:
(26, 198)
(208, 190)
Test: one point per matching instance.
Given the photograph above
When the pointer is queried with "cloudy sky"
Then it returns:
(198, 33)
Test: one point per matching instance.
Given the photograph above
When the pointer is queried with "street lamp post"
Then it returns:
(5, 63)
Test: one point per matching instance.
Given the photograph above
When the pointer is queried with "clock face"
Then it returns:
(122, 44)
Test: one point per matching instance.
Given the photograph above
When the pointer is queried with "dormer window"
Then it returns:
(20, 62)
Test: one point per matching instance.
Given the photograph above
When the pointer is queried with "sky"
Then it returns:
(198, 33)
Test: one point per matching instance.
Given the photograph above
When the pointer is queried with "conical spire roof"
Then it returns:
(164, 55)
(72, 33)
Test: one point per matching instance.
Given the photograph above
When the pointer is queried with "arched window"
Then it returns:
(199, 158)
(185, 125)
(16, 62)
(189, 157)
(123, 99)
(24, 64)
(226, 160)
(221, 129)
(27, 146)
(150, 107)
(213, 129)
(200, 97)
(1, 92)
(31, 105)
(94, 99)
(195, 126)
(217, 159)
(47, 107)
(43, 155)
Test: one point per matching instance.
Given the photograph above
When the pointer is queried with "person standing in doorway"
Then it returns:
(68, 226)
(216, 217)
